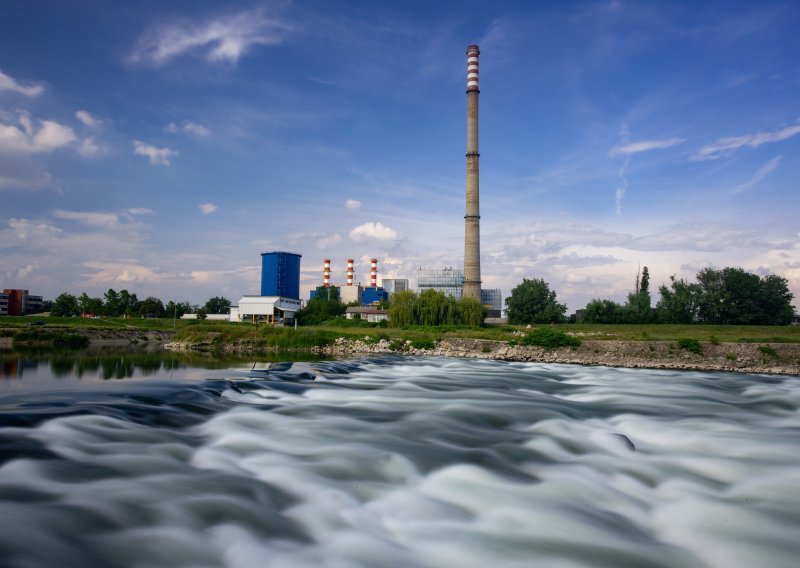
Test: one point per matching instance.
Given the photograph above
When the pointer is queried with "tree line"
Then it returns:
(127, 304)
(719, 296)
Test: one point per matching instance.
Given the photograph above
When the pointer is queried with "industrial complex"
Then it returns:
(280, 301)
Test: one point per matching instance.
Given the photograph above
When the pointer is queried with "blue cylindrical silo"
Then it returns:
(280, 274)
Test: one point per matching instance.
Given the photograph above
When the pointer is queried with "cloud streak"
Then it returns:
(645, 146)
(760, 174)
(157, 156)
(9, 84)
(221, 40)
(207, 208)
(28, 139)
(726, 146)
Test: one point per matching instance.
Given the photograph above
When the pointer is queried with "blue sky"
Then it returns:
(162, 146)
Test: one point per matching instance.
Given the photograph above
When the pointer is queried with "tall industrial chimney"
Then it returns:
(326, 272)
(349, 271)
(373, 273)
(472, 233)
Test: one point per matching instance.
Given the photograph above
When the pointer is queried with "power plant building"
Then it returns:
(447, 280)
(280, 274)
(392, 285)
(279, 300)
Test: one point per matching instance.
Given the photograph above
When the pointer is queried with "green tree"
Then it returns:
(89, 305)
(532, 301)
(112, 306)
(638, 309)
(128, 303)
(201, 313)
(325, 305)
(603, 311)
(401, 308)
(218, 305)
(776, 300)
(177, 309)
(65, 305)
(680, 303)
(151, 306)
(471, 312)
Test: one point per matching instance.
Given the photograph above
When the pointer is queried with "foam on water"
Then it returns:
(423, 462)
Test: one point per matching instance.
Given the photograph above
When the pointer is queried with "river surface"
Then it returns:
(405, 462)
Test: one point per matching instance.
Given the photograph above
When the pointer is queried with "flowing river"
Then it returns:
(396, 462)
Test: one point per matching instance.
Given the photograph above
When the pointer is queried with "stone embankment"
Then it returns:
(97, 337)
(774, 358)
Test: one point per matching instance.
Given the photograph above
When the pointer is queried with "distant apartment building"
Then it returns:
(17, 302)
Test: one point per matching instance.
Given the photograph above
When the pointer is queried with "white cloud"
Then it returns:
(89, 149)
(327, 241)
(88, 120)
(121, 272)
(352, 204)
(28, 140)
(93, 218)
(221, 40)
(376, 231)
(727, 146)
(158, 156)
(645, 146)
(35, 181)
(760, 174)
(9, 84)
(207, 208)
(139, 211)
(187, 127)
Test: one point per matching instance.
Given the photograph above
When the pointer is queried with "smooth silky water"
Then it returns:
(394, 462)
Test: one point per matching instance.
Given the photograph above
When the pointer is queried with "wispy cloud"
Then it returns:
(377, 231)
(100, 218)
(727, 146)
(158, 156)
(207, 208)
(645, 146)
(187, 127)
(760, 174)
(224, 39)
(352, 204)
(88, 119)
(9, 84)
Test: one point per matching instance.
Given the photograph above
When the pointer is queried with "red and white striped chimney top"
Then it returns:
(472, 67)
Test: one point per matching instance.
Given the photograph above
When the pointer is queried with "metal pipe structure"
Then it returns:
(472, 236)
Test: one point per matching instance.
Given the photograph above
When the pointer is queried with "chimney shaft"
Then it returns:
(326, 272)
(373, 273)
(349, 271)
(472, 237)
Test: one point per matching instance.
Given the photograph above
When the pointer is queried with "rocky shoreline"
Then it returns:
(771, 358)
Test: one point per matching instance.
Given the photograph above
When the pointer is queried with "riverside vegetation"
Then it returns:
(727, 347)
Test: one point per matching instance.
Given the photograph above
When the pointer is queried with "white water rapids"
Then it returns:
(411, 462)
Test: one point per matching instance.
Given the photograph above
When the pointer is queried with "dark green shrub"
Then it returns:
(549, 338)
(768, 351)
(423, 344)
(713, 340)
(691, 345)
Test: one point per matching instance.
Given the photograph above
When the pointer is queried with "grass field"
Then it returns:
(198, 330)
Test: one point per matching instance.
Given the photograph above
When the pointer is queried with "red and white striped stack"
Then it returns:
(472, 67)
(349, 271)
(373, 273)
(326, 272)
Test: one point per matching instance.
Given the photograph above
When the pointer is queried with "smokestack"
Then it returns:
(349, 271)
(326, 272)
(472, 236)
(373, 273)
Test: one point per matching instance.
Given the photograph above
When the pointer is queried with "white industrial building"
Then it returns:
(269, 309)
(368, 313)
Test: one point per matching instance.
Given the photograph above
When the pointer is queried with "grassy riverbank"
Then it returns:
(319, 335)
